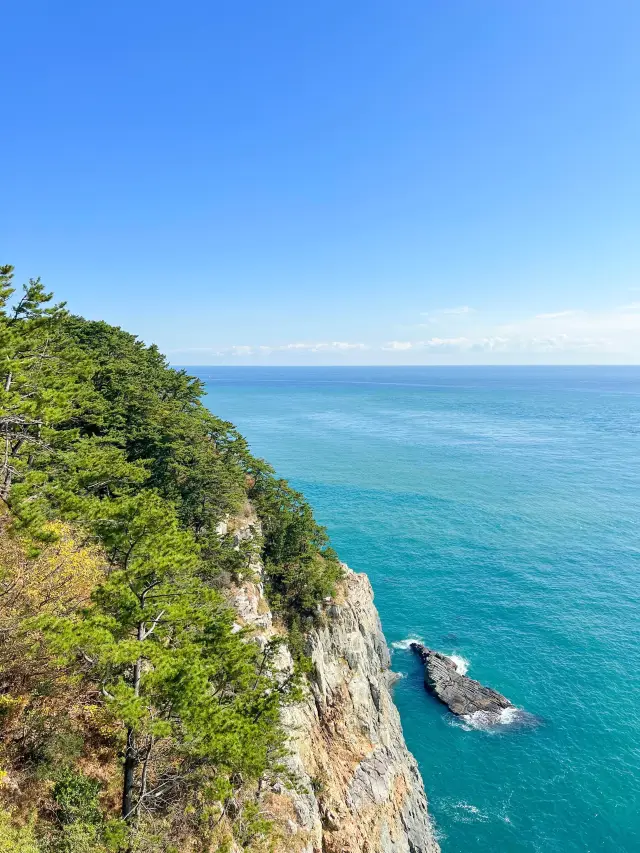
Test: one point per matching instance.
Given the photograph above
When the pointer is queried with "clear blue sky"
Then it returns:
(343, 181)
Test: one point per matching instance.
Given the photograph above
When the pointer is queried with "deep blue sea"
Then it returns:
(497, 512)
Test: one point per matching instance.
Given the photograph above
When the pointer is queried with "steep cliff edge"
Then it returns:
(133, 712)
(357, 787)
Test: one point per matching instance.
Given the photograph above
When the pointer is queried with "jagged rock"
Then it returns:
(348, 736)
(330, 820)
(461, 694)
(357, 787)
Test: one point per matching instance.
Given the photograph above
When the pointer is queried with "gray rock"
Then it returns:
(461, 694)
(350, 736)
(351, 783)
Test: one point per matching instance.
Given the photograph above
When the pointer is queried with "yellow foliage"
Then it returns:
(15, 838)
(37, 697)
(57, 581)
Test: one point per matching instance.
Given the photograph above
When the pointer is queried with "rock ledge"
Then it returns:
(461, 694)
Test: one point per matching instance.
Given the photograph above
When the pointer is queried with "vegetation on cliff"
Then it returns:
(133, 713)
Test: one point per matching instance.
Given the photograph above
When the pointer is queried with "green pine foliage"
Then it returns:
(301, 567)
(38, 383)
(98, 434)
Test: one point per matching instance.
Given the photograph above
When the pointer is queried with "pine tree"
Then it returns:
(175, 673)
(38, 378)
(101, 441)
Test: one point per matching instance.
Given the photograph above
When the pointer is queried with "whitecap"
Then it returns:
(508, 715)
(491, 721)
(468, 807)
(457, 722)
(461, 664)
(405, 644)
(483, 719)
(463, 812)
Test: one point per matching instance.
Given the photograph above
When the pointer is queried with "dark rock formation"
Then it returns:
(462, 695)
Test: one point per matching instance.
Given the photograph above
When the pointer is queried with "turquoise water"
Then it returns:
(496, 511)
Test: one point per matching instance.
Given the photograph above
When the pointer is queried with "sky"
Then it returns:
(359, 182)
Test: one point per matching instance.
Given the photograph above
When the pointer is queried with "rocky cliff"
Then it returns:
(353, 785)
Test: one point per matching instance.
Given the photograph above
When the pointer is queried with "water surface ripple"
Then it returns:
(496, 511)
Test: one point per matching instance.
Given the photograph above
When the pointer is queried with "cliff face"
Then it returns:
(357, 786)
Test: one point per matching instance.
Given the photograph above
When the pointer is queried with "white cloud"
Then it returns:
(460, 309)
(514, 344)
(438, 344)
(562, 336)
(266, 349)
(460, 344)
(613, 330)
(398, 345)
(446, 343)
(325, 346)
(555, 314)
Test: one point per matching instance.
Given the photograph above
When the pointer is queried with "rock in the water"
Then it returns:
(462, 695)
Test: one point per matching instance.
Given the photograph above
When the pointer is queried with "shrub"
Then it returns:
(76, 798)
(14, 838)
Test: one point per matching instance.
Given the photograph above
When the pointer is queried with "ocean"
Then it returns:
(497, 513)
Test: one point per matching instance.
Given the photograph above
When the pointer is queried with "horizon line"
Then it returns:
(346, 366)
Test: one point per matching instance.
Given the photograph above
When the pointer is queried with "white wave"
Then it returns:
(509, 715)
(470, 809)
(461, 664)
(481, 719)
(439, 834)
(462, 812)
(457, 722)
(459, 811)
(405, 644)
(490, 719)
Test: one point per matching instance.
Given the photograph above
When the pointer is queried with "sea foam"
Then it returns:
(405, 644)
(461, 664)
(493, 720)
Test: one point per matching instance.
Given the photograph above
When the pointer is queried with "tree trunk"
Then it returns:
(131, 753)
(130, 762)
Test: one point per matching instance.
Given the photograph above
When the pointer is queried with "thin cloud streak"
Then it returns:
(555, 314)
(264, 349)
(444, 312)
(567, 336)
(559, 343)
